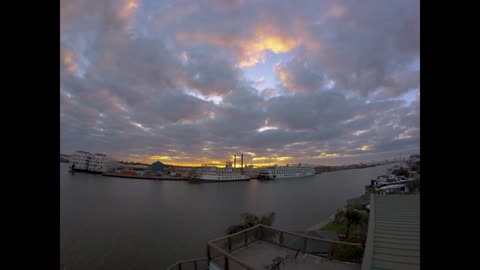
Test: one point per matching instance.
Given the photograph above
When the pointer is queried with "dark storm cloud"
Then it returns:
(210, 75)
(167, 79)
(321, 110)
(367, 45)
(300, 77)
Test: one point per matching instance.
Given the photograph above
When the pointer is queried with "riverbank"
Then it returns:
(352, 218)
(319, 226)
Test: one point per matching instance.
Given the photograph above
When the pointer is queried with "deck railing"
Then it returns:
(219, 251)
(195, 264)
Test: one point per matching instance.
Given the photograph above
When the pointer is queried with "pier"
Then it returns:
(162, 177)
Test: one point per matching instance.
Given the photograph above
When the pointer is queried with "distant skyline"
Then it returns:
(193, 82)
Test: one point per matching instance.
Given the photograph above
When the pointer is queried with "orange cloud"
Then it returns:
(107, 95)
(332, 155)
(265, 38)
(268, 38)
(128, 8)
(336, 11)
(127, 11)
(161, 158)
(261, 80)
(284, 77)
(364, 147)
(250, 50)
(184, 56)
(268, 92)
(271, 158)
(69, 61)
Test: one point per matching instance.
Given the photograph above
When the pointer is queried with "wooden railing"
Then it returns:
(219, 251)
(195, 264)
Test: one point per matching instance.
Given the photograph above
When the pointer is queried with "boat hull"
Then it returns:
(97, 170)
(87, 171)
(279, 176)
(215, 179)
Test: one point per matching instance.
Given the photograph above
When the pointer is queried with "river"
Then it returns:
(122, 223)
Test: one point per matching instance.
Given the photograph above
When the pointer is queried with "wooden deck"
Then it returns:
(260, 254)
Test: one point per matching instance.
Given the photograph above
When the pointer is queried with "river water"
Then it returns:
(122, 223)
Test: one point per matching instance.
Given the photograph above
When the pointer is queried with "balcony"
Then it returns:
(265, 248)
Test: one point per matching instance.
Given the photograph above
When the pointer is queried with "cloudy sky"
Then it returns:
(191, 82)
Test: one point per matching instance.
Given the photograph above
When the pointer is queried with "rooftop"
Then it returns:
(393, 240)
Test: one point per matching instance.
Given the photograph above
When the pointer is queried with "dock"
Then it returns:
(162, 177)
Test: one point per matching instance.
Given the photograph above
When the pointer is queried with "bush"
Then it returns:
(413, 185)
(401, 172)
(348, 253)
(250, 220)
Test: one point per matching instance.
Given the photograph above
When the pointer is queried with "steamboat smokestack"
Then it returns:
(242, 162)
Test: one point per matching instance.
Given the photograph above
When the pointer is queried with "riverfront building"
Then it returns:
(157, 167)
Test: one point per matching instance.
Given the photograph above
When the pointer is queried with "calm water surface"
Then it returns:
(121, 223)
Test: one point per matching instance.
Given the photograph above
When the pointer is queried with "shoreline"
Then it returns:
(174, 178)
(318, 226)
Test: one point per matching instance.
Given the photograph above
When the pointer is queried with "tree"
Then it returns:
(353, 217)
(250, 220)
(413, 185)
(401, 172)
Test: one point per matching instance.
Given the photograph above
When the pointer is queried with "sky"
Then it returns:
(195, 82)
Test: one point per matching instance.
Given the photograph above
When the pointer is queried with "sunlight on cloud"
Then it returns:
(336, 10)
(128, 8)
(271, 158)
(184, 56)
(252, 51)
(266, 127)
(215, 99)
(330, 84)
(360, 132)
(283, 75)
(138, 125)
(331, 155)
(69, 61)
(160, 158)
(261, 80)
(127, 12)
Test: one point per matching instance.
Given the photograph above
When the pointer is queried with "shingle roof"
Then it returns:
(393, 232)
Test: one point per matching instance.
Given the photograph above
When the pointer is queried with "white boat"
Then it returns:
(288, 171)
(382, 179)
(228, 174)
(94, 163)
(386, 180)
(214, 174)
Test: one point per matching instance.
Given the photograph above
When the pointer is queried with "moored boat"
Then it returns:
(210, 173)
(288, 171)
